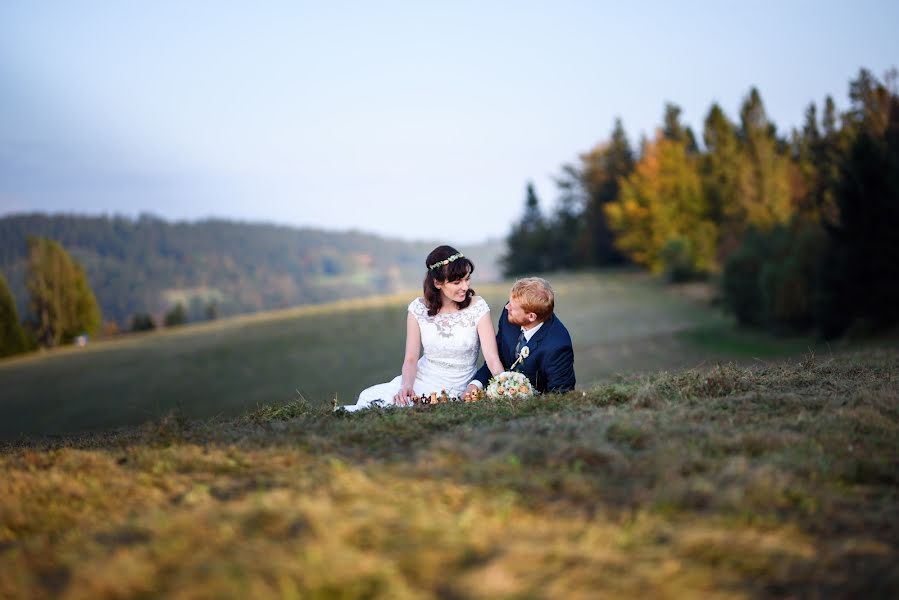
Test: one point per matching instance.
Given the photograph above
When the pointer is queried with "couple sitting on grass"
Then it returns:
(452, 324)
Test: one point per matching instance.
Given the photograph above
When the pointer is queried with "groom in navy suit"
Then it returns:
(528, 322)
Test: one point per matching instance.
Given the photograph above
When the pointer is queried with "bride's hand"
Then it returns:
(404, 397)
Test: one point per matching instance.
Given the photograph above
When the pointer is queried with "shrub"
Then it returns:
(771, 280)
(142, 322)
(176, 316)
(679, 260)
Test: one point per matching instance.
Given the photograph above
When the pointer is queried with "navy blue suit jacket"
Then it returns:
(550, 362)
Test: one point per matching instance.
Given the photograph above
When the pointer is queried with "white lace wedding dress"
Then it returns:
(451, 346)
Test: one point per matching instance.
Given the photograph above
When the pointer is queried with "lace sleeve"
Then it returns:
(479, 307)
(418, 309)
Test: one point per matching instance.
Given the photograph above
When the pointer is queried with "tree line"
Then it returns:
(146, 273)
(148, 265)
(796, 229)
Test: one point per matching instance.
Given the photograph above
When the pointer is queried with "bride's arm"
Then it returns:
(488, 345)
(410, 362)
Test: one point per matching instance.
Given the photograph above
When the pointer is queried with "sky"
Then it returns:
(416, 120)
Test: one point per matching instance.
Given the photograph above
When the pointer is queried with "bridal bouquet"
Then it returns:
(510, 384)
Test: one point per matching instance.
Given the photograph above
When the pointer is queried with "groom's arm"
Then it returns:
(559, 370)
(482, 376)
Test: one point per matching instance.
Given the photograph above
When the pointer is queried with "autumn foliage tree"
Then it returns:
(763, 178)
(62, 303)
(720, 169)
(661, 217)
(12, 336)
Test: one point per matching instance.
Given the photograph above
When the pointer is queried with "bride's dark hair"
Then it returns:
(453, 270)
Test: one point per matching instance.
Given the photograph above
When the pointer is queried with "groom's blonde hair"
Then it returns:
(535, 295)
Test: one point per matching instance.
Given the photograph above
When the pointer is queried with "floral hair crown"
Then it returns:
(446, 261)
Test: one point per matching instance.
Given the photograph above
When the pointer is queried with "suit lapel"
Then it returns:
(510, 337)
(541, 333)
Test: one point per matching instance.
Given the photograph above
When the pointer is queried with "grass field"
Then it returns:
(621, 323)
(779, 480)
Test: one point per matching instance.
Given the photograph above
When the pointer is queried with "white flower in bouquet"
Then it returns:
(510, 384)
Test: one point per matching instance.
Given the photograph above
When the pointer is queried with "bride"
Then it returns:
(451, 323)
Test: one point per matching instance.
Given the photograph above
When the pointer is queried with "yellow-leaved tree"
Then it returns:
(661, 217)
(764, 195)
(63, 305)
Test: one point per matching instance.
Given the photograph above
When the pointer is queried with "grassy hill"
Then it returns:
(729, 482)
(621, 323)
(149, 265)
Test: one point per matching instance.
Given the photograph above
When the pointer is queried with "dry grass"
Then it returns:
(776, 481)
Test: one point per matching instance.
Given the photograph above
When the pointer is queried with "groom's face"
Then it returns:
(519, 316)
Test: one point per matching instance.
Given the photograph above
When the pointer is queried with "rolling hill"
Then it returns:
(620, 322)
(149, 265)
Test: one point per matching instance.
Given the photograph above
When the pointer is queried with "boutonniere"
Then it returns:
(522, 354)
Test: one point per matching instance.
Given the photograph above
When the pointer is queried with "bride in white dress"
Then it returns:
(451, 324)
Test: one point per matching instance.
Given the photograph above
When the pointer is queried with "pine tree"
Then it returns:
(602, 170)
(828, 158)
(818, 152)
(675, 131)
(12, 337)
(566, 227)
(860, 279)
(806, 148)
(529, 241)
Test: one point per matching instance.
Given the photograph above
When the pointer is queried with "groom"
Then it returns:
(528, 322)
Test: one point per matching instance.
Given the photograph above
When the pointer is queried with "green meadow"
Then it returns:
(621, 323)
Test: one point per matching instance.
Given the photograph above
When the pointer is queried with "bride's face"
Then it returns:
(455, 290)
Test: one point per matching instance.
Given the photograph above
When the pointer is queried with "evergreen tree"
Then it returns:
(601, 173)
(860, 278)
(12, 337)
(567, 228)
(806, 147)
(62, 303)
(828, 158)
(675, 131)
(817, 154)
(528, 242)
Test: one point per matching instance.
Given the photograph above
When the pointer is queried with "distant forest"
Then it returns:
(149, 265)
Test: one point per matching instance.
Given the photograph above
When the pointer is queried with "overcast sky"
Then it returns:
(419, 120)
